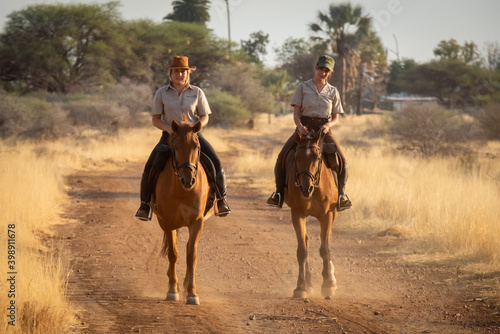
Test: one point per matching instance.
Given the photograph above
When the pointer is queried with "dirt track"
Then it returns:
(247, 271)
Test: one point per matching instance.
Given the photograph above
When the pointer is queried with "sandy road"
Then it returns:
(247, 272)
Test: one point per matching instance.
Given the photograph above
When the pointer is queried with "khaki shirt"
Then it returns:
(313, 104)
(192, 103)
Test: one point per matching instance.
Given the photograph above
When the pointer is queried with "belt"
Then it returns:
(313, 123)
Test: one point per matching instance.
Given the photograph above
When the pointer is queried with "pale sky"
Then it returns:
(417, 25)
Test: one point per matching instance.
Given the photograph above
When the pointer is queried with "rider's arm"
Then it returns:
(296, 119)
(156, 120)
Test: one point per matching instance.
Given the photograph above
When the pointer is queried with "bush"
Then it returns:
(49, 116)
(489, 121)
(103, 116)
(30, 117)
(427, 129)
(227, 109)
(240, 80)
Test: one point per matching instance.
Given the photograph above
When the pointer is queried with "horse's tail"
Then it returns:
(164, 247)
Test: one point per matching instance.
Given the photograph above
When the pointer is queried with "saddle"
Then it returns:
(164, 155)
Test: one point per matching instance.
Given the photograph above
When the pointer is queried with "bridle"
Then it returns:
(314, 177)
(193, 167)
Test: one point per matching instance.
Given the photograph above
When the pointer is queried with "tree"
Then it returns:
(59, 47)
(372, 70)
(447, 50)
(342, 26)
(156, 44)
(398, 75)
(470, 53)
(280, 85)
(255, 47)
(194, 11)
(453, 82)
(493, 55)
(451, 50)
(298, 58)
(239, 79)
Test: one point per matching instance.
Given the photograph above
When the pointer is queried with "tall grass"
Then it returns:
(447, 206)
(31, 196)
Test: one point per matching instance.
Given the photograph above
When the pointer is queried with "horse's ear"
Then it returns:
(175, 126)
(197, 127)
(297, 137)
(319, 135)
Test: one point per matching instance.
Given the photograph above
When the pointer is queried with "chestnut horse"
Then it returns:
(180, 198)
(311, 191)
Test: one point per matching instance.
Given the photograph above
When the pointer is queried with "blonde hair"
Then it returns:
(188, 77)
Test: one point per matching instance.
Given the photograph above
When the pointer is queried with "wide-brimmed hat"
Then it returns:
(326, 61)
(180, 62)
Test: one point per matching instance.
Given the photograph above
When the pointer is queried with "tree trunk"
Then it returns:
(359, 107)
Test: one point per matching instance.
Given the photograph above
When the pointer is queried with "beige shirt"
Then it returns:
(313, 104)
(192, 103)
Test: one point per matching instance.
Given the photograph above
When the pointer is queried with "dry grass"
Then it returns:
(445, 206)
(31, 196)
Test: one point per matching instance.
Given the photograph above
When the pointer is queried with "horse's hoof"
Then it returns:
(193, 301)
(328, 292)
(172, 297)
(299, 294)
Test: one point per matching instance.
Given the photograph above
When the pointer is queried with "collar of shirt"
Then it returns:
(327, 89)
(171, 86)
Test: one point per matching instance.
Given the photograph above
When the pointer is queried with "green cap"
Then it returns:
(326, 61)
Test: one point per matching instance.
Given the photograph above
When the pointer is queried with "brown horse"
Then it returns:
(180, 199)
(311, 191)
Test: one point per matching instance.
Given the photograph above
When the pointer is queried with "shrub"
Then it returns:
(426, 129)
(489, 121)
(30, 117)
(226, 109)
(103, 116)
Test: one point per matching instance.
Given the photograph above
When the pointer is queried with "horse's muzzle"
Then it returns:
(306, 189)
(187, 181)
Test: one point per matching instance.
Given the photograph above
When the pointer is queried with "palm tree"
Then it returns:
(342, 27)
(195, 11)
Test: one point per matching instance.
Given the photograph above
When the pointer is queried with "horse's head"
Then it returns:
(185, 147)
(308, 161)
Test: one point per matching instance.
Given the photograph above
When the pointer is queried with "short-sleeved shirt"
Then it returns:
(317, 104)
(191, 103)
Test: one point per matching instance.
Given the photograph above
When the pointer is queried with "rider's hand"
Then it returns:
(302, 130)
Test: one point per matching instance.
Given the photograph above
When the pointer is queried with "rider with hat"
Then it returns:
(179, 101)
(316, 106)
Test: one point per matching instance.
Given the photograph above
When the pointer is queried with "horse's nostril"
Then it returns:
(310, 189)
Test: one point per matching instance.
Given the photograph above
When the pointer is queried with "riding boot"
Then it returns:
(277, 197)
(144, 213)
(344, 202)
(222, 206)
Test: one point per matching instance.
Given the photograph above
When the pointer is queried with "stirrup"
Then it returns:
(348, 202)
(145, 219)
(216, 208)
(270, 200)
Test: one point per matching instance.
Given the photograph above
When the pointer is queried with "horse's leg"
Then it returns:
(299, 224)
(173, 255)
(195, 230)
(329, 282)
